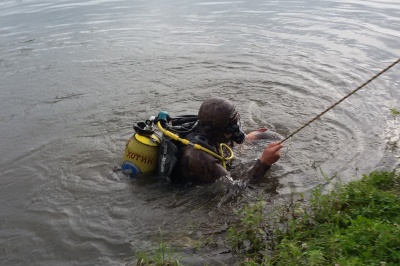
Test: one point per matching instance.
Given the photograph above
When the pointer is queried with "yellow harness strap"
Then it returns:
(199, 147)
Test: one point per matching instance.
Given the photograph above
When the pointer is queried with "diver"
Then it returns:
(194, 147)
(219, 122)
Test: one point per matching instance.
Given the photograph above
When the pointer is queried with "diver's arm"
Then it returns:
(202, 165)
(270, 155)
(257, 171)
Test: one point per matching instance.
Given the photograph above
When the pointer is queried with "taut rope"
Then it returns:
(341, 100)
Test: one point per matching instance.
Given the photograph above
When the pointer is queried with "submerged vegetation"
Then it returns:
(355, 224)
(394, 112)
(162, 256)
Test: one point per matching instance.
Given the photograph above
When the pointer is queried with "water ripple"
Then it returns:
(76, 75)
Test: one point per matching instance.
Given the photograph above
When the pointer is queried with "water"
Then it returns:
(75, 76)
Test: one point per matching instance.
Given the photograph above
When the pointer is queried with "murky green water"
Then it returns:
(75, 75)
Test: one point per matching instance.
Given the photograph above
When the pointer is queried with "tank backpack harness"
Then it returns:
(146, 151)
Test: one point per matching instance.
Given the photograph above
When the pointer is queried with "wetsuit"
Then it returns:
(205, 167)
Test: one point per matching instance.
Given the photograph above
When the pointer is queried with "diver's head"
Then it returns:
(219, 118)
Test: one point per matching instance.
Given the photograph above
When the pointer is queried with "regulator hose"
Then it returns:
(199, 147)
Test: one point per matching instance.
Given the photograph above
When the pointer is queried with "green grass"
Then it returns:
(394, 112)
(162, 256)
(249, 235)
(356, 224)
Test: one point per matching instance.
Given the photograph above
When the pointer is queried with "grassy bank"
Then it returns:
(355, 224)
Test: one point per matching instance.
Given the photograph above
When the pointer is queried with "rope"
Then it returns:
(341, 100)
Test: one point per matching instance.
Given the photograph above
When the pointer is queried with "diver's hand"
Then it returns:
(254, 135)
(271, 154)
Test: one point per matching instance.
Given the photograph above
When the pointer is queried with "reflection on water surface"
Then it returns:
(76, 75)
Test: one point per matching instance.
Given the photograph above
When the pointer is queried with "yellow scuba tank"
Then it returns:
(141, 151)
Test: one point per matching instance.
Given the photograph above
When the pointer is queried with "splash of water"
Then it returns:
(232, 189)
